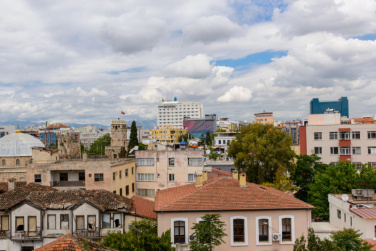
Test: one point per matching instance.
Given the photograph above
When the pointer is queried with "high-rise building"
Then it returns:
(320, 107)
(173, 112)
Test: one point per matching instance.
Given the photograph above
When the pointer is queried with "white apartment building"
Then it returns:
(89, 134)
(333, 140)
(6, 130)
(173, 112)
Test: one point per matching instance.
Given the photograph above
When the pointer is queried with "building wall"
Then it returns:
(43, 156)
(19, 173)
(302, 219)
(25, 211)
(173, 112)
(264, 118)
(125, 180)
(167, 134)
(58, 230)
(86, 210)
(12, 161)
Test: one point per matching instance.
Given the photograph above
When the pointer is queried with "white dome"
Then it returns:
(18, 144)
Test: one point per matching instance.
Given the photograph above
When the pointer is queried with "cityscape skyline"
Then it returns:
(88, 62)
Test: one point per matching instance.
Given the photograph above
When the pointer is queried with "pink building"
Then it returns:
(256, 217)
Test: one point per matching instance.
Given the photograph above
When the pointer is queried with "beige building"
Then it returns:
(265, 118)
(166, 133)
(162, 169)
(118, 138)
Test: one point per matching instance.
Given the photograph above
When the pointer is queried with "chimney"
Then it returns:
(243, 180)
(204, 176)
(11, 184)
(235, 175)
(198, 181)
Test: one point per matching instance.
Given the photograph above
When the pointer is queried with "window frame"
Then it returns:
(171, 161)
(103, 215)
(344, 135)
(192, 175)
(35, 178)
(233, 243)
(334, 134)
(61, 221)
(100, 178)
(185, 229)
(354, 148)
(264, 243)
(339, 214)
(370, 148)
(332, 148)
(76, 220)
(121, 220)
(317, 135)
(141, 177)
(2, 227)
(355, 133)
(48, 221)
(281, 217)
(171, 175)
(345, 150)
(190, 160)
(371, 134)
(23, 220)
(319, 150)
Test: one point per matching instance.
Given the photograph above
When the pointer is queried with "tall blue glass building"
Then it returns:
(342, 106)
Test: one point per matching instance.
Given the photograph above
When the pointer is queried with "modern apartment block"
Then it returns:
(319, 107)
(6, 130)
(264, 118)
(334, 140)
(173, 112)
(158, 170)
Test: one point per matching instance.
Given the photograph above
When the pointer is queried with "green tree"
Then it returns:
(208, 139)
(141, 147)
(282, 181)
(133, 140)
(98, 146)
(208, 233)
(82, 146)
(142, 236)
(260, 150)
(349, 240)
(185, 137)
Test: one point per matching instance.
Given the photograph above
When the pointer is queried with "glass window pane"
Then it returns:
(106, 221)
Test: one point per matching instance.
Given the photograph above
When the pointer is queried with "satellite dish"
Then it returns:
(345, 197)
(208, 151)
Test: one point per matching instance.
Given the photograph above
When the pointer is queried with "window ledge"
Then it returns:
(264, 244)
(239, 244)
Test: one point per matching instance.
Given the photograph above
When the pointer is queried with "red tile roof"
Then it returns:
(57, 125)
(225, 194)
(143, 207)
(4, 186)
(364, 120)
(72, 243)
(221, 172)
(372, 243)
(366, 213)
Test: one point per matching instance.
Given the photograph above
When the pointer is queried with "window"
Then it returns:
(145, 161)
(5, 222)
(333, 135)
(3, 162)
(194, 161)
(344, 217)
(64, 221)
(371, 134)
(345, 150)
(238, 230)
(344, 135)
(63, 176)
(145, 177)
(317, 135)
(37, 178)
(127, 190)
(81, 176)
(98, 177)
(132, 170)
(51, 221)
(372, 150)
(191, 178)
(356, 135)
(179, 230)
(91, 226)
(339, 214)
(171, 177)
(146, 192)
(126, 172)
(171, 161)
(121, 192)
(20, 224)
(106, 221)
(17, 162)
(263, 230)
(80, 222)
(318, 150)
(117, 220)
(219, 142)
(32, 226)
(119, 174)
(356, 150)
(132, 187)
(334, 150)
(113, 176)
(286, 229)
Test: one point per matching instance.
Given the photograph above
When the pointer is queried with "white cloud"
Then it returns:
(236, 94)
(197, 66)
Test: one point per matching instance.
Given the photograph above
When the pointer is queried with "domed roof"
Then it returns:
(18, 144)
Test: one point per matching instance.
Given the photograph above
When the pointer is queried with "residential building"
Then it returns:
(256, 217)
(222, 142)
(118, 139)
(166, 133)
(334, 140)
(89, 134)
(201, 126)
(226, 124)
(265, 118)
(162, 169)
(173, 112)
(292, 129)
(320, 107)
(6, 130)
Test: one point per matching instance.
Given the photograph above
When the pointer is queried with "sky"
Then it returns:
(86, 61)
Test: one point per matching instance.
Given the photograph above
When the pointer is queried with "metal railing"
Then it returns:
(87, 233)
(27, 235)
(77, 183)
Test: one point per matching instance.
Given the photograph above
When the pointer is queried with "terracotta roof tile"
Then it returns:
(222, 194)
(221, 172)
(143, 207)
(366, 213)
(364, 120)
(4, 186)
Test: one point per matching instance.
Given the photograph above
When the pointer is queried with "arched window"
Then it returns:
(3, 162)
(17, 162)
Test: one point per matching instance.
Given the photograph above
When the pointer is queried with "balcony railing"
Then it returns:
(90, 234)
(78, 183)
(27, 235)
(4, 234)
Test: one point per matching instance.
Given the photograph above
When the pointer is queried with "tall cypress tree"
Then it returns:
(133, 141)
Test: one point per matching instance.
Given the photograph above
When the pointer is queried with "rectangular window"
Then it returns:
(145, 177)
(345, 150)
(91, 222)
(355, 135)
(64, 221)
(334, 150)
(119, 174)
(238, 230)
(339, 216)
(171, 177)
(344, 217)
(80, 222)
(126, 172)
(171, 161)
(63, 176)
(113, 176)
(356, 150)
(145, 161)
(51, 221)
(318, 150)
(32, 226)
(106, 221)
(371, 134)
(37, 178)
(179, 232)
(333, 135)
(5, 222)
(127, 190)
(117, 220)
(121, 192)
(20, 224)
(98, 177)
(132, 187)
(317, 135)
(372, 150)
(81, 176)
(132, 170)
(146, 192)
(263, 230)
(194, 161)
(344, 135)
(358, 164)
(286, 229)
(191, 178)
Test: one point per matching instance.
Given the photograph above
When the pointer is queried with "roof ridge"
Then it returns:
(51, 244)
(193, 192)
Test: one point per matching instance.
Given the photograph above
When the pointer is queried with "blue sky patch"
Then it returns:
(131, 70)
(371, 36)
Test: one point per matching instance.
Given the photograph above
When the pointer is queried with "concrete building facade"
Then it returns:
(264, 118)
(319, 107)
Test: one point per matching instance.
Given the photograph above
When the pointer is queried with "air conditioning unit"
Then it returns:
(276, 237)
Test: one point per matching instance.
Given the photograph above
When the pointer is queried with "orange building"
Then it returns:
(264, 118)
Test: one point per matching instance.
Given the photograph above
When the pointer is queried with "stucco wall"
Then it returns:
(124, 180)
(58, 229)
(86, 210)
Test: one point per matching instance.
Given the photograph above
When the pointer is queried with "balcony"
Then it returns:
(78, 183)
(4, 234)
(89, 234)
(344, 143)
(27, 235)
(345, 157)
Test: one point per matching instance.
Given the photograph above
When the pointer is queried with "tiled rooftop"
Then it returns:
(143, 207)
(221, 172)
(223, 194)
(4, 186)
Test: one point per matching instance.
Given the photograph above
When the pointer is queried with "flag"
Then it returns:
(122, 113)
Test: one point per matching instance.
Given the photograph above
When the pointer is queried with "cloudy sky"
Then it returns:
(85, 61)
